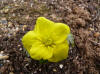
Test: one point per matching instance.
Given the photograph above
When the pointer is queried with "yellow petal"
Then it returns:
(39, 51)
(60, 32)
(44, 26)
(60, 52)
(28, 39)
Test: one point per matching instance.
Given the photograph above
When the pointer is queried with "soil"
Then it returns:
(19, 16)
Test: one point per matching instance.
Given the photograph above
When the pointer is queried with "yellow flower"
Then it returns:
(48, 40)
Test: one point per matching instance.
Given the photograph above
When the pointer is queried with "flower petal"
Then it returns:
(60, 52)
(44, 26)
(60, 32)
(39, 51)
(28, 39)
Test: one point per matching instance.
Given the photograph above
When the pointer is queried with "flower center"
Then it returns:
(48, 42)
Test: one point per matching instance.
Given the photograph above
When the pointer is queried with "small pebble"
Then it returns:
(10, 24)
(4, 21)
(11, 73)
(97, 34)
(91, 29)
(17, 29)
(54, 70)
(9, 35)
(14, 0)
(3, 57)
(61, 66)
(8, 60)
(19, 45)
(31, 4)
(6, 10)
(53, 16)
(26, 64)
(13, 15)
(22, 1)
(35, 71)
(2, 52)
(0, 36)
(27, 17)
(40, 69)
(24, 27)
(20, 49)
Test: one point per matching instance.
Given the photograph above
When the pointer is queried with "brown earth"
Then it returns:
(18, 17)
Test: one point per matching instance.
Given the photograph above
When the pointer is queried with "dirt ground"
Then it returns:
(19, 16)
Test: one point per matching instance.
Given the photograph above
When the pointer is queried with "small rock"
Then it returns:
(19, 45)
(11, 73)
(13, 15)
(53, 16)
(91, 29)
(54, 70)
(35, 71)
(6, 10)
(25, 26)
(17, 29)
(61, 66)
(0, 36)
(20, 49)
(4, 21)
(8, 60)
(27, 17)
(16, 5)
(97, 34)
(3, 57)
(40, 69)
(14, 34)
(22, 1)
(31, 4)
(9, 35)
(2, 52)
(26, 64)
(10, 24)
(14, 0)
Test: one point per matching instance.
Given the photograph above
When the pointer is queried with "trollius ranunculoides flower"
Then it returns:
(48, 40)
